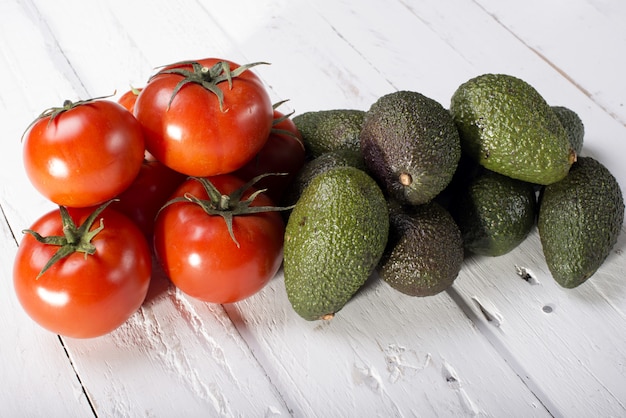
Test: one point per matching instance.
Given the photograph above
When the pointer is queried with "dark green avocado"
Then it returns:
(424, 251)
(410, 146)
(580, 219)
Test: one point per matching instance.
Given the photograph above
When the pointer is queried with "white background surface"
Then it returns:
(486, 347)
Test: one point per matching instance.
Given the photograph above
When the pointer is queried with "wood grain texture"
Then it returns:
(504, 340)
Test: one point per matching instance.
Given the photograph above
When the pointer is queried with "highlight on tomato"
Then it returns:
(84, 153)
(282, 153)
(81, 272)
(219, 239)
(205, 117)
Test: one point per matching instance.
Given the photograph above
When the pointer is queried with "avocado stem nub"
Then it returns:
(405, 179)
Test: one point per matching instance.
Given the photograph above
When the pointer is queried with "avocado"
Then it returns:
(467, 169)
(424, 251)
(580, 219)
(334, 239)
(329, 130)
(508, 127)
(494, 212)
(573, 126)
(410, 146)
(326, 161)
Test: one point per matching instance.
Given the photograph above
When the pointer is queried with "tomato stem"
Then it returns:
(74, 239)
(231, 205)
(281, 119)
(53, 112)
(207, 77)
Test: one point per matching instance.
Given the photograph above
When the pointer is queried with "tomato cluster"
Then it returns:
(188, 168)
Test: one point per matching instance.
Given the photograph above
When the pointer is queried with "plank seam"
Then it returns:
(508, 358)
(556, 68)
(80, 382)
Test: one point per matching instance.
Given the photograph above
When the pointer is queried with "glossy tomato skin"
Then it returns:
(194, 136)
(283, 152)
(142, 200)
(86, 155)
(201, 259)
(129, 98)
(84, 297)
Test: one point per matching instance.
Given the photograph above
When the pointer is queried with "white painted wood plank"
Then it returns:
(37, 377)
(384, 354)
(568, 344)
(603, 140)
(586, 46)
(345, 58)
(442, 47)
(510, 388)
(584, 54)
(200, 354)
(33, 77)
(175, 357)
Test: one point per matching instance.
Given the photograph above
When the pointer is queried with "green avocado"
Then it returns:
(329, 130)
(334, 239)
(573, 126)
(410, 146)
(509, 128)
(424, 251)
(580, 219)
(326, 161)
(494, 212)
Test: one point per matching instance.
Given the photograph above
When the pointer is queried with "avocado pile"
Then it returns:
(409, 188)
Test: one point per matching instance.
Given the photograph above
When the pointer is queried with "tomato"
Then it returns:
(198, 252)
(200, 124)
(282, 153)
(145, 196)
(83, 295)
(84, 153)
(129, 98)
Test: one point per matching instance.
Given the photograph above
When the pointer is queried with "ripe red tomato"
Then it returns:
(129, 98)
(142, 200)
(84, 153)
(199, 255)
(282, 153)
(83, 295)
(191, 130)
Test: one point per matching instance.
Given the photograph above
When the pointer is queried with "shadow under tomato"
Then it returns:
(159, 283)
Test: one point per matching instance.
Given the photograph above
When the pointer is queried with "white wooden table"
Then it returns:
(494, 345)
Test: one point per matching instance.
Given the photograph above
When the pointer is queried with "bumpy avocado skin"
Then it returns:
(424, 251)
(580, 219)
(410, 145)
(334, 239)
(494, 212)
(509, 128)
(325, 162)
(329, 130)
(573, 126)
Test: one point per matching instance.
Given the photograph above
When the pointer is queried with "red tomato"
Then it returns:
(282, 153)
(147, 194)
(190, 130)
(199, 255)
(83, 295)
(85, 153)
(129, 98)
